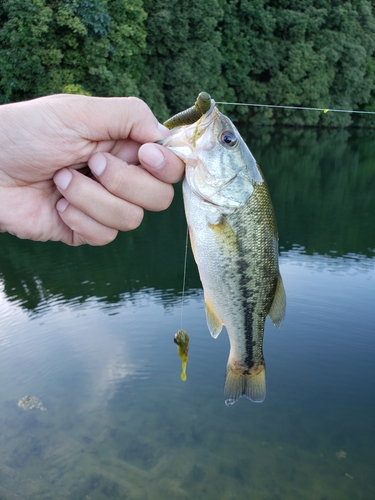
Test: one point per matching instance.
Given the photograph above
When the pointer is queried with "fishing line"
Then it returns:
(325, 110)
(184, 278)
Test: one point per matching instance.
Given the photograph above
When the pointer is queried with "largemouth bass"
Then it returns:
(234, 239)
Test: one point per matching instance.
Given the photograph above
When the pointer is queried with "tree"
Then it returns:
(182, 57)
(85, 46)
(313, 53)
(302, 53)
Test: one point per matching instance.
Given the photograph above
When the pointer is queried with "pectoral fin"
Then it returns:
(225, 235)
(277, 310)
(214, 323)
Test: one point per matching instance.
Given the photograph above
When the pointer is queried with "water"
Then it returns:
(89, 331)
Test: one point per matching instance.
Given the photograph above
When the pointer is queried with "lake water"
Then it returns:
(89, 331)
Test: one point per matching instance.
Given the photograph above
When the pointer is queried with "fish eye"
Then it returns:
(228, 138)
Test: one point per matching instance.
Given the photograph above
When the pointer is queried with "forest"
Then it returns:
(312, 53)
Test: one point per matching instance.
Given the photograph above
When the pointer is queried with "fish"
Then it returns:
(181, 339)
(234, 239)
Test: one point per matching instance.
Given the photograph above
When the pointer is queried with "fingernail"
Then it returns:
(151, 156)
(61, 205)
(62, 178)
(97, 163)
(164, 130)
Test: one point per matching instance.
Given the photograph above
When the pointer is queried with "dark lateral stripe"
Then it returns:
(248, 310)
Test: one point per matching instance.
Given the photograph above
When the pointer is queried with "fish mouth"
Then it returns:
(184, 138)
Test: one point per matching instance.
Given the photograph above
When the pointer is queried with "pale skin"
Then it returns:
(45, 147)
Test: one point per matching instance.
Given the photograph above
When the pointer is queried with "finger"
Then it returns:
(127, 150)
(161, 162)
(97, 202)
(84, 229)
(131, 182)
(110, 118)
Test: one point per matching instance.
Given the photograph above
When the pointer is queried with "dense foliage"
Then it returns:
(81, 46)
(315, 53)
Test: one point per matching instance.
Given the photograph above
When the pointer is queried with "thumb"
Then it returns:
(111, 118)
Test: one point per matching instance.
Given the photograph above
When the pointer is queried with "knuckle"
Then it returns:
(120, 178)
(117, 182)
(139, 105)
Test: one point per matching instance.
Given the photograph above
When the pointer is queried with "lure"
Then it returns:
(181, 338)
(191, 115)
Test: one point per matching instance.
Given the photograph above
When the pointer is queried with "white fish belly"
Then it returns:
(217, 269)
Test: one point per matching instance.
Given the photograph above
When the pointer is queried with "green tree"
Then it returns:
(314, 53)
(302, 53)
(182, 56)
(248, 54)
(85, 46)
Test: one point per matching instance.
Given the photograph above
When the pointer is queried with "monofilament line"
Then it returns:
(184, 278)
(325, 110)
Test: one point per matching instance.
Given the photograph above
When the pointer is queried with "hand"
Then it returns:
(45, 147)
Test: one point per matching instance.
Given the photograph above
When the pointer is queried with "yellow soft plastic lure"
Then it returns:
(181, 338)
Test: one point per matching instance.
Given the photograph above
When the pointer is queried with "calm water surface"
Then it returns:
(89, 331)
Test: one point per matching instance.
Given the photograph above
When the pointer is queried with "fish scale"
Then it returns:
(256, 265)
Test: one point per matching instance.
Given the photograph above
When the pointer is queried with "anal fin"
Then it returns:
(277, 310)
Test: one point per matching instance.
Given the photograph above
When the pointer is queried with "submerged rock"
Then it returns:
(31, 402)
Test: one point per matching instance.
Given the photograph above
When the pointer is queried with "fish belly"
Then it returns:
(236, 256)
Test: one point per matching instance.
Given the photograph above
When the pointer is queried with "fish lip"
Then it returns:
(212, 107)
(206, 119)
(203, 123)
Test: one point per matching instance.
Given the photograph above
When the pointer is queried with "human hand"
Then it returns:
(44, 145)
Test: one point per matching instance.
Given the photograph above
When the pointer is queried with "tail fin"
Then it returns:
(251, 384)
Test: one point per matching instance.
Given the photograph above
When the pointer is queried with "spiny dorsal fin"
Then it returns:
(214, 323)
(277, 310)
